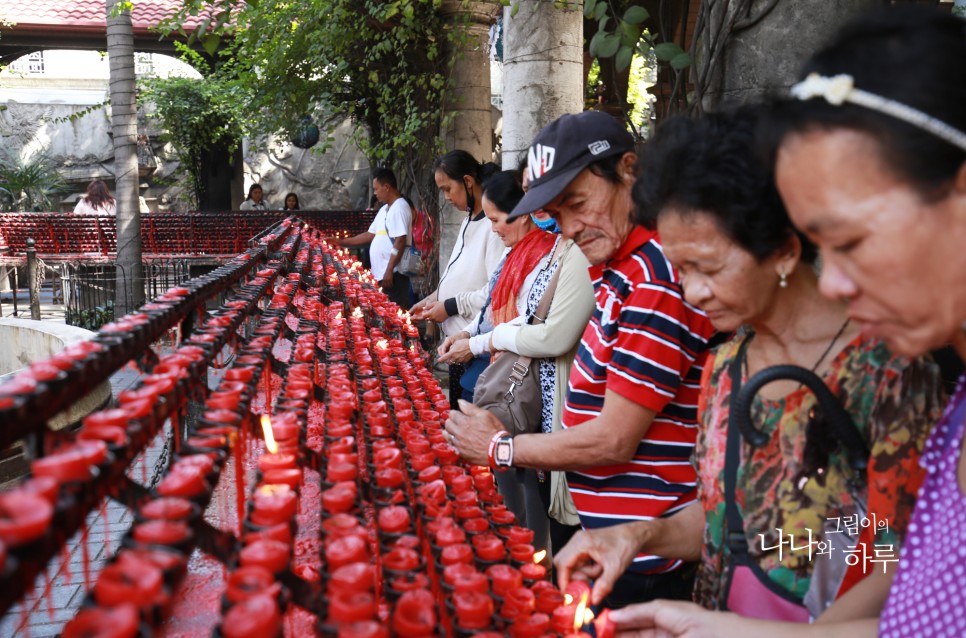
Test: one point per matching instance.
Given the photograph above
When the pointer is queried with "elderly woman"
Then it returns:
(872, 166)
(724, 228)
(506, 326)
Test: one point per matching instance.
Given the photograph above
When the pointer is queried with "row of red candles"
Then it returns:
(132, 583)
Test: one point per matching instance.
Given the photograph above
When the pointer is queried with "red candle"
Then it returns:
(345, 550)
(463, 577)
(474, 610)
(339, 498)
(256, 617)
(563, 618)
(353, 577)
(272, 555)
(281, 532)
(414, 615)
(521, 552)
(450, 535)
(462, 484)
(339, 525)
(517, 603)
(476, 525)
(128, 580)
(44, 486)
(452, 554)
(273, 504)
(245, 582)
(489, 547)
(532, 626)
(351, 606)
(337, 472)
(186, 481)
(161, 532)
(429, 474)
(282, 460)
(533, 571)
(548, 600)
(388, 457)
(287, 476)
(67, 466)
(394, 519)
(389, 477)
(504, 578)
(520, 535)
(120, 620)
(24, 517)
(115, 417)
(400, 559)
(604, 626)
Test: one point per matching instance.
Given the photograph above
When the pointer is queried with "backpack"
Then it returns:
(416, 260)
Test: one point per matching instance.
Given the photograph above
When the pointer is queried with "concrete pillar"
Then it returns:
(33, 280)
(543, 72)
(768, 55)
(468, 99)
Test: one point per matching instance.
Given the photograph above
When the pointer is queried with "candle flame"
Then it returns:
(382, 344)
(539, 556)
(580, 615)
(338, 316)
(568, 599)
(270, 443)
(357, 313)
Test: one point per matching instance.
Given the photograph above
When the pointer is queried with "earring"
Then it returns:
(782, 280)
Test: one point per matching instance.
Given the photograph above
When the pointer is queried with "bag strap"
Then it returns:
(543, 306)
(735, 540)
(522, 365)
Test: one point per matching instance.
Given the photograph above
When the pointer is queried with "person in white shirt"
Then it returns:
(98, 200)
(255, 200)
(388, 236)
(464, 284)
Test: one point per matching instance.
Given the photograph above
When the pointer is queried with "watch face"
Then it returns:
(504, 453)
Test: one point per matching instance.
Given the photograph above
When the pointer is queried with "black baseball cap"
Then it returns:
(565, 147)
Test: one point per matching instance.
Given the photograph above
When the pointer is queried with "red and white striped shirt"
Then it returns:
(647, 344)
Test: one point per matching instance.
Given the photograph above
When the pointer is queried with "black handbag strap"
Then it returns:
(736, 541)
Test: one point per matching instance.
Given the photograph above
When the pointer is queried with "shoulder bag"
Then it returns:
(749, 591)
(510, 387)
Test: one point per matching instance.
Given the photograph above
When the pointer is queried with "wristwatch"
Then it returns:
(503, 452)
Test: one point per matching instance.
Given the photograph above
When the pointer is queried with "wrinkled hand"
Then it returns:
(671, 619)
(458, 352)
(434, 311)
(601, 555)
(449, 341)
(470, 429)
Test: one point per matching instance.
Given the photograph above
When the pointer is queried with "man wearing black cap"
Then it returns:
(630, 417)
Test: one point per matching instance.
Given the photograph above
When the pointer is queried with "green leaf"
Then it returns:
(623, 58)
(629, 34)
(589, 7)
(609, 45)
(600, 10)
(211, 43)
(602, 25)
(515, 9)
(636, 15)
(667, 51)
(595, 43)
(680, 61)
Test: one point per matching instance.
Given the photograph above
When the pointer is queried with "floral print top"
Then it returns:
(893, 401)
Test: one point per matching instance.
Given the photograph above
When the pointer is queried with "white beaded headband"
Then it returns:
(841, 88)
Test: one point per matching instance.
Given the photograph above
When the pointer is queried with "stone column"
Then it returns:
(543, 72)
(468, 99)
(767, 56)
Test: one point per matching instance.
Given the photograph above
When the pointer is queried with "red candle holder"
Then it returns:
(414, 615)
(122, 619)
(24, 517)
(474, 610)
(353, 577)
(351, 606)
(256, 617)
(247, 582)
(272, 555)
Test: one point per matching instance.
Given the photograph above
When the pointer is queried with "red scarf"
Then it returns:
(523, 258)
